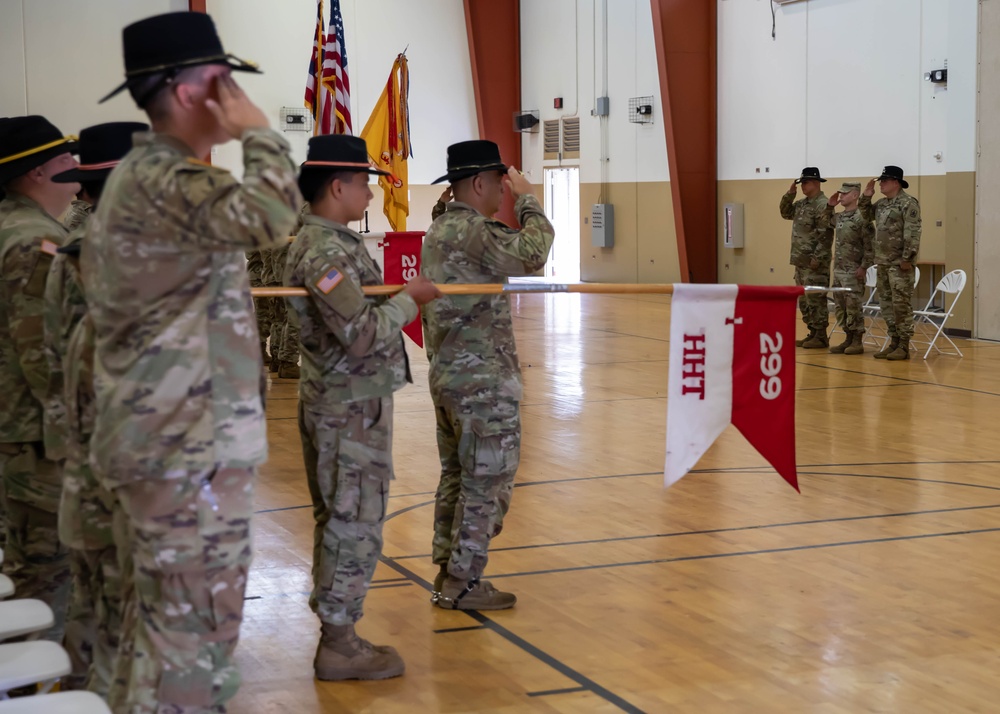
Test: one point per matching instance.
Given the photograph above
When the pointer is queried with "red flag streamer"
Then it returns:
(402, 264)
(732, 360)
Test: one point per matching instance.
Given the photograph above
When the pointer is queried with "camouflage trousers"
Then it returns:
(480, 448)
(848, 305)
(93, 620)
(190, 539)
(33, 556)
(813, 306)
(895, 298)
(348, 459)
(284, 333)
(263, 308)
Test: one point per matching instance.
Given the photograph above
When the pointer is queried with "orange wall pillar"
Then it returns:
(685, 34)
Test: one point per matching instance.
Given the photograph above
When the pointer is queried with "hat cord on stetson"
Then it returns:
(191, 62)
(38, 149)
(98, 167)
(474, 166)
(349, 164)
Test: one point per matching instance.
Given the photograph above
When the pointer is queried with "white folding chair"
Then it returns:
(58, 703)
(926, 320)
(39, 662)
(22, 617)
(872, 311)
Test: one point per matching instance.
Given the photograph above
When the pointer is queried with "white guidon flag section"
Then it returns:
(732, 360)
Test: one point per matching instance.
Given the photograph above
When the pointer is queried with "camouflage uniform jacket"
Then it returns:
(278, 258)
(897, 227)
(352, 346)
(24, 268)
(812, 229)
(177, 362)
(77, 215)
(255, 264)
(64, 307)
(470, 339)
(854, 241)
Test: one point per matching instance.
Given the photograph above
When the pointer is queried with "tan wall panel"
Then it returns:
(960, 248)
(657, 238)
(767, 236)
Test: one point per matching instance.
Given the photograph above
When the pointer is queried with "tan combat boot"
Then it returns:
(900, 353)
(799, 343)
(888, 349)
(842, 347)
(439, 583)
(818, 340)
(288, 370)
(341, 654)
(473, 595)
(857, 346)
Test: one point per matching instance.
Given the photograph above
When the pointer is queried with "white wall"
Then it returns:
(61, 56)
(562, 57)
(841, 87)
(442, 103)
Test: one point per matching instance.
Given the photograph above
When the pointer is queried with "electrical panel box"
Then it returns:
(732, 225)
(602, 225)
(602, 107)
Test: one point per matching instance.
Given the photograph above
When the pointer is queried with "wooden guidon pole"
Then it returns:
(496, 289)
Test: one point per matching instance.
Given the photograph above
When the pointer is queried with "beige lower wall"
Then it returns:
(947, 207)
(645, 247)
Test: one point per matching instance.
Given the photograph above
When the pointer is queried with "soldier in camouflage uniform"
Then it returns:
(32, 151)
(475, 379)
(896, 244)
(812, 241)
(353, 360)
(93, 621)
(852, 256)
(179, 427)
(78, 213)
(263, 307)
(287, 351)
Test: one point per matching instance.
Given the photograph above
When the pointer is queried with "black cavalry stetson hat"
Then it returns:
(333, 153)
(468, 158)
(810, 173)
(27, 143)
(172, 42)
(101, 147)
(894, 172)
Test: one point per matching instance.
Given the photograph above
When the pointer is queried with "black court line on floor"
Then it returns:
(551, 692)
(583, 681)
(763, 551)
(448, 630)
(384, 586)
(902, 379)
(735, 529)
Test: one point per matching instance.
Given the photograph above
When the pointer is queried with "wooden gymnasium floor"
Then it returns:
(874, 591)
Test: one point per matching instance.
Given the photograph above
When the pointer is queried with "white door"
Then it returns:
(562, 206)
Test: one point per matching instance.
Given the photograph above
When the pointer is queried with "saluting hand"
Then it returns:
(446, 196)
(834, 199)
(234, 110)
(793, 189)
(517, 184)
(422, 290)
(870, 188)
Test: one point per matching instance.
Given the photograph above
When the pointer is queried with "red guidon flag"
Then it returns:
(732, 360)
(402, 264)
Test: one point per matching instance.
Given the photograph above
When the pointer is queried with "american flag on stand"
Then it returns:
(328, 88)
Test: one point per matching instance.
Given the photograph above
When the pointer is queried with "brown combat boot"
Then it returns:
(341, 654)
(900, 353)
(857, 346)
(799, 343)
(288, 370)
(818, 340)
(842, 347)
(473, 595)
(888, 349)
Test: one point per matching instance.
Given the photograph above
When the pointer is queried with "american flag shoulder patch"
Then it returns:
(49, 247)
(329, 281)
